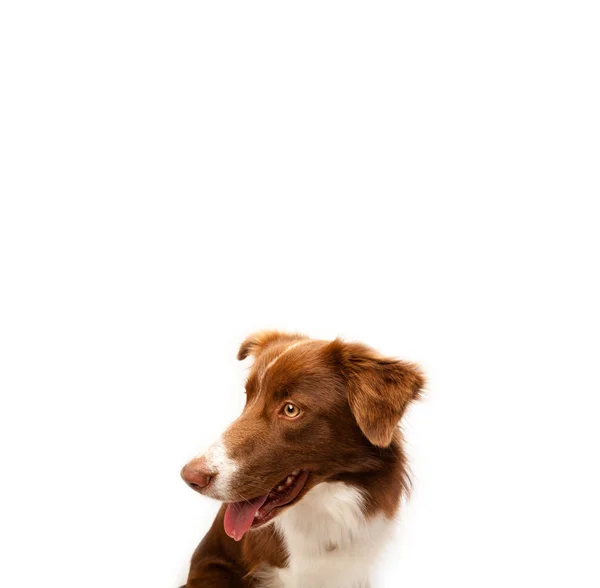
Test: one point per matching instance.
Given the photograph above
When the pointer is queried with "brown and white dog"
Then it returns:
(312, 472)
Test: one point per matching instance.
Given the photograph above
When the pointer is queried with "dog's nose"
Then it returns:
(196, 474)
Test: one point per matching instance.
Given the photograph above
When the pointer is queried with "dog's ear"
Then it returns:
(256, 342)
(379, 389)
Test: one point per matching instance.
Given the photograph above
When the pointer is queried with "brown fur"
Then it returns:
(351, 400)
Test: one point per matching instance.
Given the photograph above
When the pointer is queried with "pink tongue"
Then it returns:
(239, 516)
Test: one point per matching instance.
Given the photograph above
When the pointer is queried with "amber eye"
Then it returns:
(291, 411)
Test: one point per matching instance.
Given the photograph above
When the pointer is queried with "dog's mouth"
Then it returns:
(246, 514)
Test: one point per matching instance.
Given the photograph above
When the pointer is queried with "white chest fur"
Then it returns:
(329, 541)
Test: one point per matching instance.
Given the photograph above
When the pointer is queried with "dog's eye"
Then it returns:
(291, 411)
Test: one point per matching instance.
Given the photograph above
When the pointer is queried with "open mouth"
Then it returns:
(241, 516)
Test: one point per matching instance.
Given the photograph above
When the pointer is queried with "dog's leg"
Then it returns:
(217, 561)
(216, 576)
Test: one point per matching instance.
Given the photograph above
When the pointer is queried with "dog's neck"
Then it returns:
(330, 540)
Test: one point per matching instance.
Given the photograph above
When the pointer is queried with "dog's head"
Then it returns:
(315, 411)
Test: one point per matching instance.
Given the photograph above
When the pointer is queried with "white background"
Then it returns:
(421, 176)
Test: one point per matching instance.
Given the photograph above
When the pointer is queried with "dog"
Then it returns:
(312, 473)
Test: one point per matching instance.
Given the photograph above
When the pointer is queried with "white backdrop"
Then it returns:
(420, 176)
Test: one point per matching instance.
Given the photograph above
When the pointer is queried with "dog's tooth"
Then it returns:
(295, 472)
(279, 488)
(256, 515)
(289, 480)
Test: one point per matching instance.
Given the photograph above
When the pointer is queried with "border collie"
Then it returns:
(312, 472)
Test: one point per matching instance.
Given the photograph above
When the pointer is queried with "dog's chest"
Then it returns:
(329, 542)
